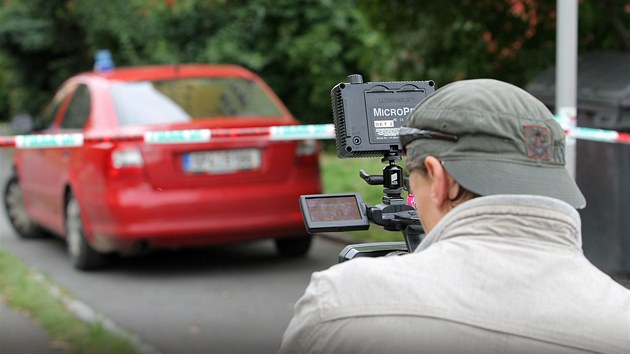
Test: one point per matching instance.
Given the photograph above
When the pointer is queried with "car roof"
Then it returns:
(157, 72)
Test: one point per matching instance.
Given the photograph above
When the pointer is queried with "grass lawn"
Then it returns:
(27, 292)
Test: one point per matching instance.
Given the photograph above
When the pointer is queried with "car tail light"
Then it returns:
(125, 161)
(307, 151)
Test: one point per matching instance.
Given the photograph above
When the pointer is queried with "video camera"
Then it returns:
(367, 119)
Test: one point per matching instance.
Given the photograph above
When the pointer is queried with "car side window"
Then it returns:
(78, 110)
(46, 118)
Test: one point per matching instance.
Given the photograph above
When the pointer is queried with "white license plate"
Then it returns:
(223, 161)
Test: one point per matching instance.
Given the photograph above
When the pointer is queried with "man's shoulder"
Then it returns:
(370, 285)
(368, 268)
(388, 269)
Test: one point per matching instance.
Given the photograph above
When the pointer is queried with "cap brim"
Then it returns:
(499, 177)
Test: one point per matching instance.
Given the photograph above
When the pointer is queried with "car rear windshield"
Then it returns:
(183, 100)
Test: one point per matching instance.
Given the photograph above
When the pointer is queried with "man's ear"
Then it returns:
(443, 188)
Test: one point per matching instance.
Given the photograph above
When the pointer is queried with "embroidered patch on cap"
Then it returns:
(537, 142)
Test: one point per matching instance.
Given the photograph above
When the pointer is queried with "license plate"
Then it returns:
(224, 161)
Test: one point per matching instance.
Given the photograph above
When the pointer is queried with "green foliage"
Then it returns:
(302, 48)
(604, 25)
(464, 39)
(40, 46)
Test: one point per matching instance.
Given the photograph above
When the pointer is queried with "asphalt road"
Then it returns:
(229, 299)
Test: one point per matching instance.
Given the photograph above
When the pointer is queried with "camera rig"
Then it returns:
(367, 119)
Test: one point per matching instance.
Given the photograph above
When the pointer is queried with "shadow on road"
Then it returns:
(257, 256)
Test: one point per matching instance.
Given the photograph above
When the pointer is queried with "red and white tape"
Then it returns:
(606, 136)
(295, 132)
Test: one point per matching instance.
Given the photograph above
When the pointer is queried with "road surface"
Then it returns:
(228, 299)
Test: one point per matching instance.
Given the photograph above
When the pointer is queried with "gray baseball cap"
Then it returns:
(493, 138)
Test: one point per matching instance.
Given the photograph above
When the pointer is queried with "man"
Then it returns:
(501, 269)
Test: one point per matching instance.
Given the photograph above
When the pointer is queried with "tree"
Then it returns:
(605, 25)
(40, 47)
(302, 48)
(511, 40)
(462, 39)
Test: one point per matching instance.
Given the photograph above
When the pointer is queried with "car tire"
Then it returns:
(82, 255)
(23, 225)
(293, 247)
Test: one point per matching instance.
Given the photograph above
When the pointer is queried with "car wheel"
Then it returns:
(23, 225)
(293, 247)
(83, 256)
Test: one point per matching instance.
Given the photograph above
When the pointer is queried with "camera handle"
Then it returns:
(393, 213)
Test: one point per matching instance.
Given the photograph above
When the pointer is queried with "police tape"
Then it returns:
(601, 135)
(187, 136)
(276, 133)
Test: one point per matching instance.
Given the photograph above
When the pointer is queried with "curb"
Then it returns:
(87, 314)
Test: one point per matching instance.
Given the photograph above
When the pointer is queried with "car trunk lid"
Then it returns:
(222, 160)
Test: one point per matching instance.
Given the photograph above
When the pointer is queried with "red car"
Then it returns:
(124, 197)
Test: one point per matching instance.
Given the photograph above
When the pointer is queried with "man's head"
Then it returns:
(484, 137)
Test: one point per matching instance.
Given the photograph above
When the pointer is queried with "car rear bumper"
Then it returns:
(141, 216)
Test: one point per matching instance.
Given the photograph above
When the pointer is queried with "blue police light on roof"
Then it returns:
(103, 60)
